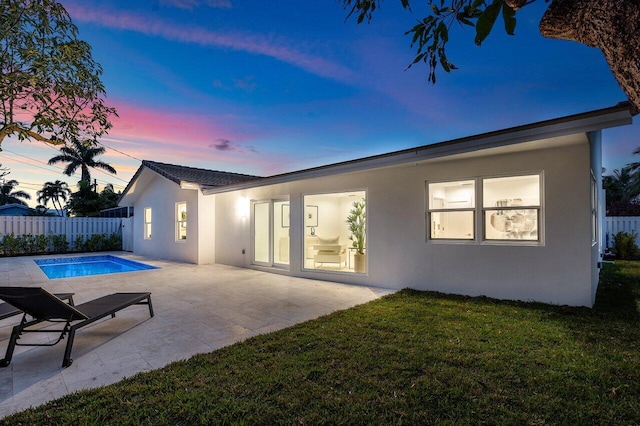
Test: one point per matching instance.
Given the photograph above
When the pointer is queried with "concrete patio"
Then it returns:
(197, 309)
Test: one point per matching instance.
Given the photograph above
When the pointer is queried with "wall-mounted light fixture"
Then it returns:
(242, 207)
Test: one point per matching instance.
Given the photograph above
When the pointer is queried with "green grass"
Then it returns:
(412, 357)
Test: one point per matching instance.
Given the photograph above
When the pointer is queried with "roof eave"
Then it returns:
(130, 184)
(618, 115)
(190, 185)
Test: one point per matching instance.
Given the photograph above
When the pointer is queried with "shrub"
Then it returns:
(624, 245)
(114, 242)
(23, 243)
(78, 243)
(59, 243)
(40, 244)
(96, 242)
(10, 245)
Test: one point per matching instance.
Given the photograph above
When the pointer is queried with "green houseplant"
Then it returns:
(356, 220)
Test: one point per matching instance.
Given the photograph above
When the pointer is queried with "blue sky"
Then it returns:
(268, 87)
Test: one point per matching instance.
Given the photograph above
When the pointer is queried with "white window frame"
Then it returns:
(181, 222)
(539, 209)
(479, 224)
(473, 210)
(147, 228)
(303, 224)
(272, 262)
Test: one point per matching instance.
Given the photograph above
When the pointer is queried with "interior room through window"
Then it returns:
(451, 210)
(332, 223)
(511, 207)
(181, 221)
(271, 223)
(147, 223)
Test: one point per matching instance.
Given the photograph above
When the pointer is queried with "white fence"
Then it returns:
(72, 227)
(615, 224)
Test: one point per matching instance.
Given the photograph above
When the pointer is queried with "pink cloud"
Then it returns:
(188, 139)
(170, 127)
(255, 44)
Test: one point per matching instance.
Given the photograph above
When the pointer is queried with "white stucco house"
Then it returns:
(512, 214)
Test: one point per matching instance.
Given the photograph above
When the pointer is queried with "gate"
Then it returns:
(127, 234)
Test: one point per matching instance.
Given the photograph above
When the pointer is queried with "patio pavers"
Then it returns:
(197, 309)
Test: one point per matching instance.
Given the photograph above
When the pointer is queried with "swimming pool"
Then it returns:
(68, 267)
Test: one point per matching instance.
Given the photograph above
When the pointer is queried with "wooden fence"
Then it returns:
(615, 224)
(72, 227)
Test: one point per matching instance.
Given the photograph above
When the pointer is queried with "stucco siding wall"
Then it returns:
(398, 255)
(162, 195)
(206, 229)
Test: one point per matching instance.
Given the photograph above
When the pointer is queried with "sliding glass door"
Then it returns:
(261, 233)
(271, 232)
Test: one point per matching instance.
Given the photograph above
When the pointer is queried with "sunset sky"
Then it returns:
(269, 87)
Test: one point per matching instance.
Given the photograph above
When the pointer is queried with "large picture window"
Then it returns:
(451, 210)
(512, 208)
(335, 232)
(181, 221)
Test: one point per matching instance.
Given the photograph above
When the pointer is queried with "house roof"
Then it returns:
(530, 136)
(188, 177)
(553, 132)
(204, 177)
(14, 209)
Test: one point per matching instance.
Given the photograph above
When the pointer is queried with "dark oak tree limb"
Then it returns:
(613, 26)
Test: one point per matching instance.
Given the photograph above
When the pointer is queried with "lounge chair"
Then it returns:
(7, 310)
(43, 306)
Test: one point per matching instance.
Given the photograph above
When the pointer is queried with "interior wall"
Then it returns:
(398, 253)
(332, 215)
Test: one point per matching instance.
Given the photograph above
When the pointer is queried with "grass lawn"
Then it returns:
(412, 357)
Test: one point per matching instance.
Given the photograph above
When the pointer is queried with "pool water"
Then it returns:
(67, 267)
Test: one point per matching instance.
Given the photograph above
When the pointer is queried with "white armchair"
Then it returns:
(329, 250)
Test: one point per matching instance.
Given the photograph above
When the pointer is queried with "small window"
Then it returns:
(181, 221)
(147, 223)
(451, 210)
(512, 208)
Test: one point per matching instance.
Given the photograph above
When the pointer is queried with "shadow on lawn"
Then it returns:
(618, 294)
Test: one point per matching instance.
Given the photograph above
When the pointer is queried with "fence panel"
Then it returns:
(72, 227)
(615, 224)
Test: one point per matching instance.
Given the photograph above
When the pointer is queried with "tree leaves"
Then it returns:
(50, 87)
(429, 37)
(509, 18)
(362, 8)
(81, 154)
(486, 21)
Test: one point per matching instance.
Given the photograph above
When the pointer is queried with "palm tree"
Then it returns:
(54, 192)
(81, 154)
(9, 196)
(635, 166)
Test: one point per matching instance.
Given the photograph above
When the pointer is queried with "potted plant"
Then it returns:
(356, 220)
